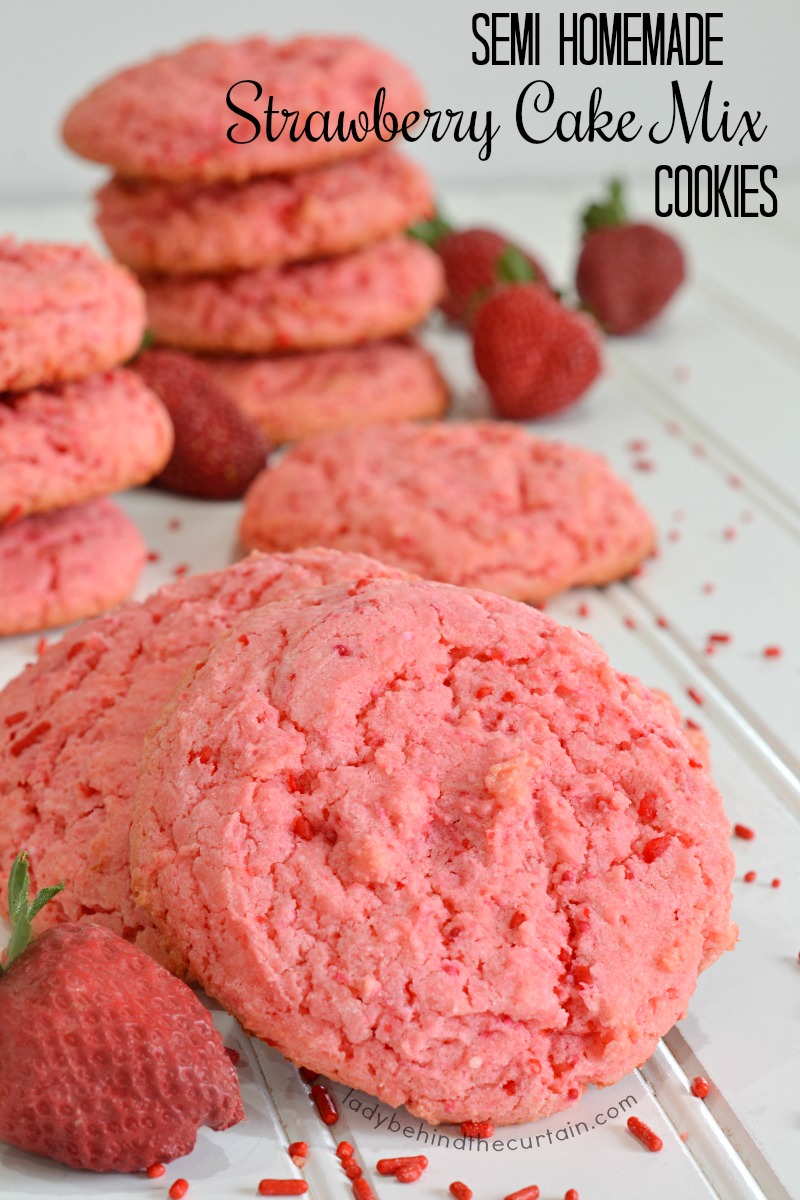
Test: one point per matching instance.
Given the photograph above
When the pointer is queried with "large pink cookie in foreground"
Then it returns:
(427, 842)
(483, 505)
(226, 227)
(294, 396)
(64, 313)
(380, 291)
(73, 723)
(167, 118)
(63, 445)
(66, 565)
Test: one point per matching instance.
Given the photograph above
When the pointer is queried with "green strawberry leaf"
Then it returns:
(430, 232)
(20, 911)
(610, 211)
(514, 267)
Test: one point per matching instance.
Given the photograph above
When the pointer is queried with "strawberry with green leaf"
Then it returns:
(107, 1062)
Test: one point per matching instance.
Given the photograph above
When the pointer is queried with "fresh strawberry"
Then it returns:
(107, 1062)
(627, 271)
(218, 450)
(472, 263)
(534, 355)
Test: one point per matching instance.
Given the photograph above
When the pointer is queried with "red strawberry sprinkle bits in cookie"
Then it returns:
(700, 1087)
(133, 1092)
(477, 808)
(535, 356)
(644, 1134)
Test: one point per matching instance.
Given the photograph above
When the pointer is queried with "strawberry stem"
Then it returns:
(430, 232)
(21, 913)
(610, 211)
(514, 267)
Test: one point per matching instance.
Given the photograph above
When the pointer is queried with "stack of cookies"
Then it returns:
(74, 427)
(283, 263)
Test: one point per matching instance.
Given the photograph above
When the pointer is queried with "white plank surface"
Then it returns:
(721, 372)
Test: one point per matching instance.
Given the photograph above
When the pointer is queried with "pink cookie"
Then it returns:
(63, 445)
(227, 227)
(65, 565)
(167, 118)
(426, 841)
(294, 396)
(64, 313)
(379, 291)
(73, 723)
(483, 505)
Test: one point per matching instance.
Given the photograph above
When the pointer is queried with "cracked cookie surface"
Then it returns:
(427, 842)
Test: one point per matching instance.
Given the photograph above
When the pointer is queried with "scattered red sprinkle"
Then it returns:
(745, 832)
(232, 1054)
(698, 451)
(662, 623)
(690, 724)
(734, 481)
(637, 572)
(460, 1191)
(710, 649)
(13, 515)
(681, 373)
(41, 646)
(776, 883)
(644, 464)
(749, 876)
(700, 1087)
(629, 623)
(309, 1077)
(674, 535)
(645, 1134)
(518, 918)
(695, 762)
(153, 556)
(772, 652)
(693, 694)
(179, 1189)
(30, 738)
(571, 1195)
(747, 516)
(583, 610)
(351, 1168)
(362, 1190)
(344, 1149)
(678, 515)
(174, 523)
(156, 1171)
(637, 446)
(656, 847)
(477, 1129)
(409, 1174)
(15, 718)
(298, 1149)
(282, 1187)
(708, 588)
(181, 569)
(729, 534)
(672, 426)
(390, 1166)
(526, 1193)
(326, 1105)
(722, 638)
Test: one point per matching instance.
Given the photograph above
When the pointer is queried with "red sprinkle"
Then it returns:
(662, 623)
(298, 1149)
(41, 646)
(477, 1129)
(156, 1171)
(181, 569)
(708, 588)
(772, 652)
(460, 1191)
(583, 611)
(351, 1168)
(656, 847)
(153, 556)
(776, 883)
(179, 1189)
(734, 481)
(344, 1150)
(308, 1076)
(518, 918)
(409, 1174)
(700, 1087)
(362, 1190)
(674, 535)
(326, 1105)
(629, 623)
(571, 1195)
(693, 694)
(303, 828)
(719, 637)
(644, 464)
(526, 1193)
(729, 534)
(645, 1134)
(637, 446)
(390, 1166)
(174, 523)
(232, 1054)
(30, 738)
(282, 1187)
(744, 831)
(750, 877)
